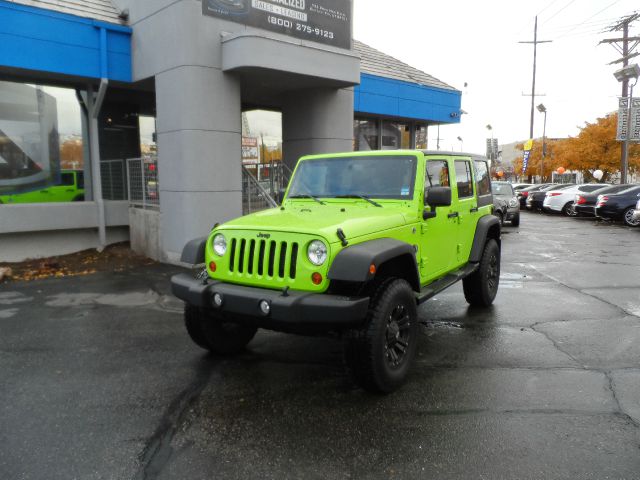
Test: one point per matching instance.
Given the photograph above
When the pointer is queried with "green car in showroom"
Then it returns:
(361, 240)
(70, 189)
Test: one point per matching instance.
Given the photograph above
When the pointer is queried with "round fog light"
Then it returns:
(217, 300)
(265, 307)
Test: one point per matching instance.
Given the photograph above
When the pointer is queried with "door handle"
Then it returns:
(454, 215)
(474, 210)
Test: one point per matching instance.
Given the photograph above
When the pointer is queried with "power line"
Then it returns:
(592, 16)
(560, 11)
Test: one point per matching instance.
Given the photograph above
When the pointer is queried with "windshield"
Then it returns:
(385, 177)
(502, 189)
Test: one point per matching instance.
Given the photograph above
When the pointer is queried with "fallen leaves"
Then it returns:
(116, 258)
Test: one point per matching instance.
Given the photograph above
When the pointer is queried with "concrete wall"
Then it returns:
(17, 247)
(61, 228)
(144, 232)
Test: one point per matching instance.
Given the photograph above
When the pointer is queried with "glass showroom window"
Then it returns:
(421, 136)
(366, 135)
(40, 140)
(395, 135)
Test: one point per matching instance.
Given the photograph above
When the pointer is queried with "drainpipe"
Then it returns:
(94, 105)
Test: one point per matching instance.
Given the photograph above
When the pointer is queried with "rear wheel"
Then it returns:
(516, 220)
(211, 331)
(568, 210)
(379, 354)
(481, 288)
(628, 218)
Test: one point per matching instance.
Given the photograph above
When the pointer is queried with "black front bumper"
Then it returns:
(293, 309)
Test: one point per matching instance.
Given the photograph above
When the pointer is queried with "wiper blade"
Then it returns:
(362, 197)
(309, 196)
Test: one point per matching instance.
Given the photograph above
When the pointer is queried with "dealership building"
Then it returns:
(149, 96)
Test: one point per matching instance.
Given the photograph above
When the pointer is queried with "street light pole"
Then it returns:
(543, 109)
(461, 143)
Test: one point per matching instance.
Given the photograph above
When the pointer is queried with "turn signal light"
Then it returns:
(316, 278)
(213, 267)
(372, 269)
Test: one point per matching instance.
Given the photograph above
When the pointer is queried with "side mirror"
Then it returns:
(438, 197)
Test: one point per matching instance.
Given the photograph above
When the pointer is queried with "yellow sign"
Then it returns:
(528, 146)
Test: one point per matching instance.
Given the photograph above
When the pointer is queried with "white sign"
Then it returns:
(623, 119)
(250, 153)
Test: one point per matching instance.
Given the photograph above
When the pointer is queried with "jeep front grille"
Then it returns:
(263, 258)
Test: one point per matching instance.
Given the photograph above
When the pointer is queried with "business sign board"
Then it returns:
(623, 120)
(250, 154)
(324, 21)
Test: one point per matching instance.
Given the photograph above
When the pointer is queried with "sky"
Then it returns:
(476, 42)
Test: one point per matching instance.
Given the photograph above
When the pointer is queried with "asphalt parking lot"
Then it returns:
(98, 380)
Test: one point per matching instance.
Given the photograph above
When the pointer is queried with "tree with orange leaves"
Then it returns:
(595, 148)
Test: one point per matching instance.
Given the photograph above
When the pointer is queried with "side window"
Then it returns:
(483, 182)
(67, 179)
(80, 180)
(464, 179)
(437, 174)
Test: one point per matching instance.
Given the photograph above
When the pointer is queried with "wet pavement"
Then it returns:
(98, 380)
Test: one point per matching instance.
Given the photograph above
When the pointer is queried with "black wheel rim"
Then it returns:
(398, 335)
(493, 273)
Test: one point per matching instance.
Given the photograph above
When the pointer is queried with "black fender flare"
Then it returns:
(193, 252)
(353, 264)
(488, 227)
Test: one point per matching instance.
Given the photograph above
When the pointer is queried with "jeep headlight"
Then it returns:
(317, 252)
(220, 245)
(513, 203)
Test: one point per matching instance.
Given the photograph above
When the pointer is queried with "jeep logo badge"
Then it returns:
(264, 235)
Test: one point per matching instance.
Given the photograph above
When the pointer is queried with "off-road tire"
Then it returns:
(390, 330)
(515, 221)
(211, 331)
(481, 288)
(627, 218)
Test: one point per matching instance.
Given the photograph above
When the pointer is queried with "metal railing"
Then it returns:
(114, 179)
(143, 188)
(254, 196)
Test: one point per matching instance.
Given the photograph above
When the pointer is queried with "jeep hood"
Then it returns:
(323, 220)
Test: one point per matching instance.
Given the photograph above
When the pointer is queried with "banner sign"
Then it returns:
(623, 119)
(528, 146)
(250, 154)
(324, 21)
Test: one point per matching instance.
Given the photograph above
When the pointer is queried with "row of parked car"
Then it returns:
(611, 202)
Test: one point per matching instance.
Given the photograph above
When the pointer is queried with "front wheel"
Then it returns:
(481, 288)
(211, 331)
(628, 218)
(380, 354)
(515, 222)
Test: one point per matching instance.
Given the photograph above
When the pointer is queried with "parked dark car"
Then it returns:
(523, 194)
(535, 200)
(619, 206)
(585, 203)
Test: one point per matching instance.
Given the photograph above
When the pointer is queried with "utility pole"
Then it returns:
(535, 61)
(622, 45)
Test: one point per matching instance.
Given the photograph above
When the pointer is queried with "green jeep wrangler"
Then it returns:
(361, 240)
(69, 189)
